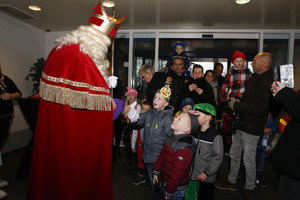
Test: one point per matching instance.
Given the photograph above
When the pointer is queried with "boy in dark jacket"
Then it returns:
(175, 159)
(209, 155)
(157, 123)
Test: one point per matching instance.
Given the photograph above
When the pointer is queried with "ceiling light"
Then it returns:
(242, 1)
(34, 8)
(109, 4)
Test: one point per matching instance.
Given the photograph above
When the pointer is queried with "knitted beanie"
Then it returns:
(236, 55)
(131, 91)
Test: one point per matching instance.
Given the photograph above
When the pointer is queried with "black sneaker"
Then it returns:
(260, 183)
(140, 180)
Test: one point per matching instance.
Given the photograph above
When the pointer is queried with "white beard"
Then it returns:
(92, 42)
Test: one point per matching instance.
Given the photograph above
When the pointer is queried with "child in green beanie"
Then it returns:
(209, 154)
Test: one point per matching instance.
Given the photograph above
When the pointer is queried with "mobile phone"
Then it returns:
(284, 74)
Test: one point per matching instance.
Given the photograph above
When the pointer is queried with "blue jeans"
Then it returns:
(155, 194)
(260, 161)
(242, 141)
(178, 194)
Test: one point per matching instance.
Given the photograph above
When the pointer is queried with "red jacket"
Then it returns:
(174, 162)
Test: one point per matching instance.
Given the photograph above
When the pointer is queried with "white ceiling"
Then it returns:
(62, 15)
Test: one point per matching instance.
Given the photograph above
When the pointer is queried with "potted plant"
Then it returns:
(35, 73)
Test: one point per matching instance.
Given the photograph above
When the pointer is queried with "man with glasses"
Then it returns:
(154, 80)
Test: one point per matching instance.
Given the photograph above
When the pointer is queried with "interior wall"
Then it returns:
(21, 45)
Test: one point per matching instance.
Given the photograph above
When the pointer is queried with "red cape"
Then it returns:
(73, 140)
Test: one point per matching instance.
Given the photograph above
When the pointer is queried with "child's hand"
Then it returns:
(167, 198)
(155, 179)
(268, 131)
(133, 150)
(202, 177)
(192, 87)
(126, 110)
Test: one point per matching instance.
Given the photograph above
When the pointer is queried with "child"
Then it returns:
(138, 148)
(178, 51)
(233, 87)
(236, 78)
(157, 123)
(209, 154)
(174, 161)
(131, 99)
(264, 148)
(186, 105)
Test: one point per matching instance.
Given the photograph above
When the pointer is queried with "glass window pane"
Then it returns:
(277, 45)
(143, 53)
(216, 50)
(121, 58)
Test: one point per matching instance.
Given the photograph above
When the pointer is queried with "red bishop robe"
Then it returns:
(73, 140)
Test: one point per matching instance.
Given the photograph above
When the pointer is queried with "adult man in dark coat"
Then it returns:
(253, 112)
(154, 80)
(178, 80)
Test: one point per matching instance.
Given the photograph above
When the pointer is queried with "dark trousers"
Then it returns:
(206, 191)
(117, 131)
(288, 188)
(4, 128)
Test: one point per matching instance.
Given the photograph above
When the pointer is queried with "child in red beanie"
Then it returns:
(234, 86)
(236, 79)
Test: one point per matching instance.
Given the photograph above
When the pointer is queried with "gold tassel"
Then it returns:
(76, 99)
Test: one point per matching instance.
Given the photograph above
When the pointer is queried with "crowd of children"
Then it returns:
(180, 149)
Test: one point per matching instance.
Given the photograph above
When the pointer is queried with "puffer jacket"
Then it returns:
(156, 126)
(209, 155)
(174, 162)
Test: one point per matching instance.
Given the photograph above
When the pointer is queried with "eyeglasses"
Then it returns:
(142, 76)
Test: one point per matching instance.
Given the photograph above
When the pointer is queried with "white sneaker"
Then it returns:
(3, 183)
(2, 194)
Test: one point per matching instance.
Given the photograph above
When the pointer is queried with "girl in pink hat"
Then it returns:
(130, 134)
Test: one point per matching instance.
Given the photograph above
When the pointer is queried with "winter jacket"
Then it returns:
(156, 126)
(174, 162)
(158, 81)
(177, 87)
(209, 155)
(235, 83)
(253, 109)
(286, 154)
(206, 97)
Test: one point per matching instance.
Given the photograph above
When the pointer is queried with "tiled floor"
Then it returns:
(123, 177)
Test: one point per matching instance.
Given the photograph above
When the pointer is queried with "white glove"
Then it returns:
(232, 102)
(133, 115)
(112, 81)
